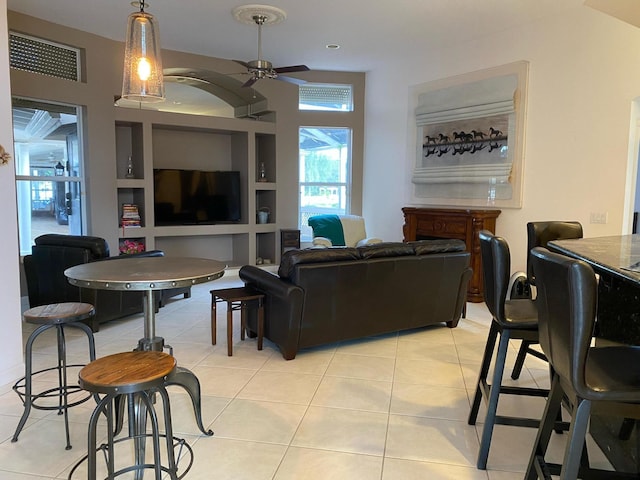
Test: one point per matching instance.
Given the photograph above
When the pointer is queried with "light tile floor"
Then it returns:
(389, 407)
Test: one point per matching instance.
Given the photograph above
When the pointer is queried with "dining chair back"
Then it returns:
(539, 234)
(495, 270)
(566, 316)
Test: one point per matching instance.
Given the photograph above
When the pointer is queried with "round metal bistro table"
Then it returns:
(148, 274)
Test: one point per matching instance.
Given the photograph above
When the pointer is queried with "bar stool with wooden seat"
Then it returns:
(602, 379)
(139, 375)
(59, 316)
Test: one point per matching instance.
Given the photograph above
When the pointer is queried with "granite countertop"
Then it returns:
(618, 255)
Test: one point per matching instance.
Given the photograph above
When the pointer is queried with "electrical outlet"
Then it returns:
(598, 217)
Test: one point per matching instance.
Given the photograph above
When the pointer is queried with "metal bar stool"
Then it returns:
(139, 375)
(58, 316)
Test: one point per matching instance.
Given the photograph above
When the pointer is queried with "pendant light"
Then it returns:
(142, 80)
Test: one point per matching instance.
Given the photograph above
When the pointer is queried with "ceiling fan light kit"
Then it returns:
(142, 78)
(261, 15)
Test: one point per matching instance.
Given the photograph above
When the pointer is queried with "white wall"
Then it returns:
(584, 74)
(11, 363)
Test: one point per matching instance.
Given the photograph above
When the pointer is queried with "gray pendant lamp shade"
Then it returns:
(142, 79)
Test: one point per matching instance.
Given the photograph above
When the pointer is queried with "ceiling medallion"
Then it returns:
(247, 13)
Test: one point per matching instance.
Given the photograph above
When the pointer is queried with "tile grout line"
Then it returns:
(289, 445)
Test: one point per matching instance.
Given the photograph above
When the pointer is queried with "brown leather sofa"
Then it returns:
(52, 254)
(326, 295)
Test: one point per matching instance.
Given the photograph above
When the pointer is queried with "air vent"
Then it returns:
(324, 96)
(40, 56)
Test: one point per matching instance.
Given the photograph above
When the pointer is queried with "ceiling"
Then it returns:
(370, 34)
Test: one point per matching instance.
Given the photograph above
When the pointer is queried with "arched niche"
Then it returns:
(204, 92)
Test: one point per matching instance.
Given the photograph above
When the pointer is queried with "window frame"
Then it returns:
(74, 181)
(328, 86)
(303, 211)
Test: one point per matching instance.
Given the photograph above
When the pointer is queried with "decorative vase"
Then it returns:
(130, 173)
(262, 173)
(263, 215)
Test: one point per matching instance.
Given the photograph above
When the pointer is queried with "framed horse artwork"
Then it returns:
(469, 139)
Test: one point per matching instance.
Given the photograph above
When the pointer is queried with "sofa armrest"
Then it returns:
(149, 253)
(368, 241)
(321, 242)
(283, 308)
(461, 301)
(31, 274)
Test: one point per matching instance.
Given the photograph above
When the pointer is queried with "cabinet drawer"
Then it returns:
(440, 226)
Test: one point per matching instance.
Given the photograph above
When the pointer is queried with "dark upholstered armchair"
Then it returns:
(52, 254)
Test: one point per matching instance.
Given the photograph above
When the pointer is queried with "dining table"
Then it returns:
(616, 261)
(151, 274)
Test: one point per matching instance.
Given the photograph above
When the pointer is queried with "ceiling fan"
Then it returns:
(260, 68)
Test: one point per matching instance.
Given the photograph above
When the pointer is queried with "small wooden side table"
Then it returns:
(289, 239)
(237, 299)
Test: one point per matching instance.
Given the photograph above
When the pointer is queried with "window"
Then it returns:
(325, 171)
(325, 96)
(48, 169)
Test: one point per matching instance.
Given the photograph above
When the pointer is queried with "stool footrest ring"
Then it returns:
(179, 443)
(54, 392)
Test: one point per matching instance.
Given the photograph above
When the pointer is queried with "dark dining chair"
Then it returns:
(584, 377)
(539, 234)
(512, 319)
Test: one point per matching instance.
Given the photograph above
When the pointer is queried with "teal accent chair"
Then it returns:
(340, 231)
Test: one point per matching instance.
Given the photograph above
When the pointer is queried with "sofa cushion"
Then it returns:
(386, 249)
(425, 247)
(292, 258)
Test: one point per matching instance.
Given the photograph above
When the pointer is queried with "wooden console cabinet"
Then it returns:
(463, 224)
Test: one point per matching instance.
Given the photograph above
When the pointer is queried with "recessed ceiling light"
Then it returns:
(333, 46)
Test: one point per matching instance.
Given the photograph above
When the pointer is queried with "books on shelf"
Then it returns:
(130, 216)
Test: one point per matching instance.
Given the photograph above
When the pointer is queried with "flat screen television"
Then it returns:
(193, 197)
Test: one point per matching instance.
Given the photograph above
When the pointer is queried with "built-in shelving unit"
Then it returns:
(149, 139)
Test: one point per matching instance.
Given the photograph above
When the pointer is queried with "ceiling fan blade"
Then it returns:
(297, 81)
(250, 82)
(244, 64)
(292, 68)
